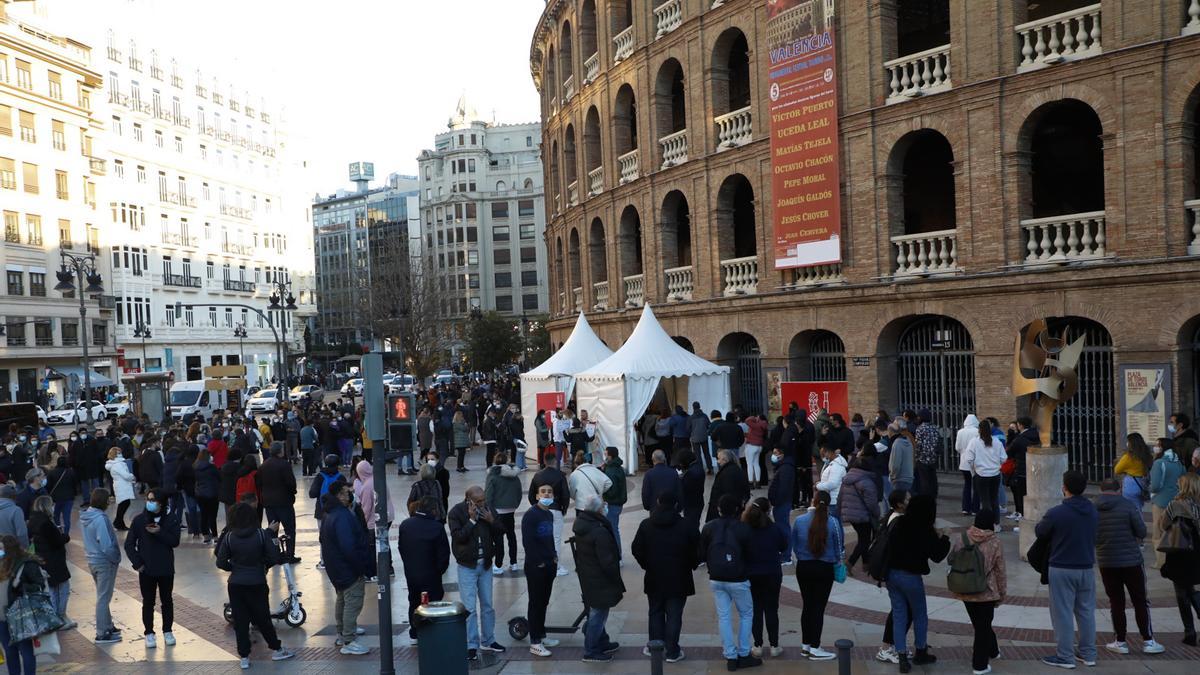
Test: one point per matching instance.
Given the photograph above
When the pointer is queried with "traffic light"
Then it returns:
(402, 422)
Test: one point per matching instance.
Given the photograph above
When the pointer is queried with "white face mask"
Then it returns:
(431, 462)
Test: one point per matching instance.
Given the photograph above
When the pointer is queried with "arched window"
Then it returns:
(817, 356)
(587, 39)
(741, 353)
(670, 113)
(683, 342)
(570, 167)
(574, 276)
(737, 236)
(555, 186)
(629, 255)
(561, 281)
(921, 204)
(550, 82)
(528, 184)
(730, 76)
(1191, 168)
(501, 186)
(625, 133)
(598, 264)
(676, 231)
(566, 60)
(592, 159)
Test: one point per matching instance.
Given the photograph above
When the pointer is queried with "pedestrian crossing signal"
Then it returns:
(400, 409)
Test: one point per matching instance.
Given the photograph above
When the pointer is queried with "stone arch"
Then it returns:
(676, 231)
(736, 222)
(921, 196)
(729, 72)
(817, 355)
(597, 251)
(592, 158)
(670, 99)
(625, 121)
(742, 353)
(566, 51)
(1066, 166)
(629, 242)
(570, 163)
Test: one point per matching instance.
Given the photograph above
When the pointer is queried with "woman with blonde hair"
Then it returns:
(1182, 567)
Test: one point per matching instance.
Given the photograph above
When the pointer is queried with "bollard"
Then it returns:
(843, 655)
(656, 656)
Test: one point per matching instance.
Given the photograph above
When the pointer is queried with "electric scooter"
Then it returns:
(290, 611)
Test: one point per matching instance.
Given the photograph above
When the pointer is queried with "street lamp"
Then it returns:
(239, 332)
(75, 269)
(281, 300)
(142, 331)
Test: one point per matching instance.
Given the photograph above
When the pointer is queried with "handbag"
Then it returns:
(1178, 537)
(46, 645)
(31, 614)
(839, 572)
(1009, 467)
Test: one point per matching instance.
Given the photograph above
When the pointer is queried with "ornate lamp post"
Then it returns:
(76, 269)
(142, 331)
(282, 300)
(239, 332)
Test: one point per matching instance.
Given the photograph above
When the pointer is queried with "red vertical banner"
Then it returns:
(551, 401)
(805, 177)
(834, 397)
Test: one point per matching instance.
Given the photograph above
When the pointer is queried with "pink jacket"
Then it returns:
(364, 491)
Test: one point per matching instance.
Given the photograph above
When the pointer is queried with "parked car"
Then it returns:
(118, 406)
(263, 401)
(401, 384)
(311, 390)
(75, 412)
(353, 387)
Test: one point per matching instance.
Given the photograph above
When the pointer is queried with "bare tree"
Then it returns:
(408, 309)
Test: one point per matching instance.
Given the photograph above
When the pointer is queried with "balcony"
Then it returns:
(1063, 239)
(115, 54)
(1193, 13)
(568, 89)
(573, 193)
(667, 17)
(201, 91)
(177, 81)
(96, 166)
(595, 179)
(182, 121)
(236, 211)
(679, 283)
(1193, 207)
(600, 293)
(117, 98)
(591, 68)
(562, 303)
(177, 199)
(1063, 37)
(919, 255)
(181, 281)
(733, 129)
(557, 204)
(135, 63)
(577, 293)
(156, 72)
(914, 75)
(628, 164)
(179, 239)
(674, 148)
(239, 286)
(239, 249)
(741, 275)
(815, 275)
(623, 45)
(635, 290)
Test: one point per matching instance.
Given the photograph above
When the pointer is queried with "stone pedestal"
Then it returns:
(1044, 467)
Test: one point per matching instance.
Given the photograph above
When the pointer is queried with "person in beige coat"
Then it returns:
(981, 607)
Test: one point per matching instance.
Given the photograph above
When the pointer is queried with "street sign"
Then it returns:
(225, 371)
(226, 384)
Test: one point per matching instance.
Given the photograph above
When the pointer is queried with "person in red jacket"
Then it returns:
(756, 433)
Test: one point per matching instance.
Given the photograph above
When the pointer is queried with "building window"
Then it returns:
(30, 174)
(158, 138)
(57, 135)
(529, 278)
(179, 144)
(8, 174)
(499, 210)
(64, 234)
(500, 233)
(16, 331)
(16, 285)
(33, 229)
(116, 125)
(24, 75)
(70, 332)
(528, 254)
(141, 174)
(502, 256)
(504, 303)
(472, 143)
(28, 131)
(119, 168)
(528, 231)
(43, 333)
(529, 302)
(37, 284)
(99, 333)
(137, 132)
(60, 184)
(525, 208)
(470, 166)
(55, 85)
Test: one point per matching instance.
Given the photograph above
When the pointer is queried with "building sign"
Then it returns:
(834, 397)
(806, 213)
(362, 171)
(1145, 400)
(860, 361)
(549, 401)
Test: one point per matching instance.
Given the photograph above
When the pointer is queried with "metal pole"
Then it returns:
(375, 407)
(843, 656)
(87, 362)
(656, 656)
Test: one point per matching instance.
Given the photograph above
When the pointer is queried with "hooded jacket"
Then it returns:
(122, 478)
(99, 538)
(364, 492)
(831, 478)
(860, 498)
(1164, 479)
(153, 552)
(597, 559)
(783, 483)
(666, 547)
(1071, 527)
(618, 493)
(969, 430)
(502, 488)
(900, 461)
(588, 479)
(1119, 532)
(247, 554)
(425, 550)
(278, 482)
(984, 460)
(345, 547)
(993, 565)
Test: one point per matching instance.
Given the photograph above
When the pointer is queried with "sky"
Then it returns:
(369, 80)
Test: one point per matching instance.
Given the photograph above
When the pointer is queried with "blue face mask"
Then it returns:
(1, 553)
(546, 501)
(152, 507)
(775, 459)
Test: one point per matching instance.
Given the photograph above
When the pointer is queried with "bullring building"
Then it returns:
(1000, 161)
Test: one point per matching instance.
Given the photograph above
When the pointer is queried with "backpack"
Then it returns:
(724, 556)
(662, 428)
(968, 571)
(245, 486)
(879, 552)
(327, 481)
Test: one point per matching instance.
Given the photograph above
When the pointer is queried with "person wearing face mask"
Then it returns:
(425, 552)
(12, 521)
(50, 542)
(428, 485)
(150, 547)
(541, 563)
(24, 454)
(35, 486)
(150, 465)
(780, 493)
(1164, 485)
(472, 528)
(62, 490)
(502, 494)
(349, 560)
(6, 458)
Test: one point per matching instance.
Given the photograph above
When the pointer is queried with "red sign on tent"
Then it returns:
(812, 396)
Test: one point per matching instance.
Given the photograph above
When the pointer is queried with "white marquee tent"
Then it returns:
(617, 391)
(557, 373)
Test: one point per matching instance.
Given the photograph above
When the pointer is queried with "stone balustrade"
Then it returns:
(568, 88)
(741, 275)
(667, 17)
(623, 45)
(914, 75)
(1071, 35)
(1060, 239)
(577, 293)
(733, 128)
(628, 164)
(926, 253)
(1193, 14)
(591, 68)
(1193, 207)
(679, 283)
(573, 193)
(635, 290)
(816, 275)
(674, 148)
(595, 181)
(600, 293)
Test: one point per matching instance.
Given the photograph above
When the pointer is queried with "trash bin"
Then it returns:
(441, 638)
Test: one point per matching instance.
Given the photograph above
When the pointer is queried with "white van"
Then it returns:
(191, 397)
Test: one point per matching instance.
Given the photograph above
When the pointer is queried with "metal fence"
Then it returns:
(827, 358)
(1086, 423)
(936, 370)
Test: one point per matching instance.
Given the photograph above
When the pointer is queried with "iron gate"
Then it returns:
(750, 377)
(1196, 375)
(827, 358)
(935, 369)
(1086, 423)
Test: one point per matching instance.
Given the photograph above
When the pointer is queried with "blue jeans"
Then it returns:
(59, 595)
(193, 513)
(730, 595)
(19, 657)
(1073, 601)
(595, 637)
(614, 517)
(781, 514)
(62, 514)
(907, 592)
(89, 484)
(475, 587)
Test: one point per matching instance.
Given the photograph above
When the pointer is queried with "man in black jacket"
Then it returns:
(471, 536)
(724, 543)
(697, 425)
(556, 479)
(693, 487)
(728, 435)
(666, 546)
(597, 560)
(660, 479)
(781, 492)
(279, 495)
(730, 480)
(425, 551)
(1027, 437)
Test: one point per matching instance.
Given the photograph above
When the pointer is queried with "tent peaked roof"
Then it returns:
(581, 351)
(650, 352)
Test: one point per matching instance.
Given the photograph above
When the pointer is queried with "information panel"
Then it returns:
(806, 213)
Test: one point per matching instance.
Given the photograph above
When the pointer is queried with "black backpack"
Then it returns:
(879, 552)
(724, 555)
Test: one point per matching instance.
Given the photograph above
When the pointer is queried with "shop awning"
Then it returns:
(69, 372)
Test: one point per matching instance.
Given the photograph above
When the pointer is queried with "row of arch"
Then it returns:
(735, 235)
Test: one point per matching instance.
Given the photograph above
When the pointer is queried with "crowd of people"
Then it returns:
(729, 493)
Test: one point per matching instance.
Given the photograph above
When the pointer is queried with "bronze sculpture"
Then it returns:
(1044, 369)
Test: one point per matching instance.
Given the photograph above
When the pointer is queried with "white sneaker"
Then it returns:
(1016, 529)
(282, 654)
(985, 671)
(355, 649)
(776, 652)
(539, 650)
(562, 572)
(513, 568)
(1152, 647)
(1117, 647)
(245, 663)
(646, 651)
(804, 649)
(756, 652)
(887, 655)
(676, 659)
(497, 570)
(151, 642)
(818, 654)
(550, 642)
(169, 639)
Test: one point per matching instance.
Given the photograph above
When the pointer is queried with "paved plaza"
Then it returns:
(856, 611)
